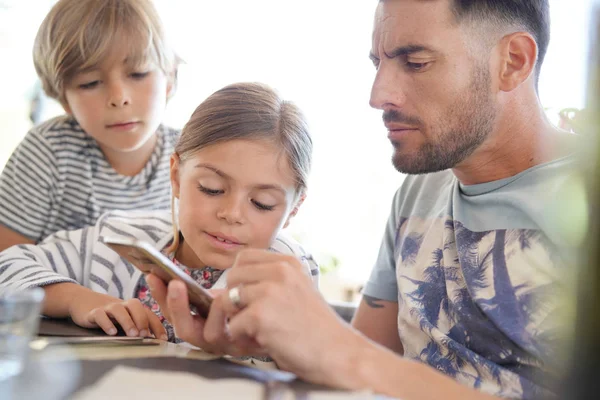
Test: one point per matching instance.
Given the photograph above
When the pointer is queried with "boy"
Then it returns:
(108, 64)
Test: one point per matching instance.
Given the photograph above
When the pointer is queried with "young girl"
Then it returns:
(109, 65)
(239, 174)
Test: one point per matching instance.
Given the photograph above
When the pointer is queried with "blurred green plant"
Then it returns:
(576, 120)
(328, 263)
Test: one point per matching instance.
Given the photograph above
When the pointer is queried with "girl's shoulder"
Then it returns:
(285, 244)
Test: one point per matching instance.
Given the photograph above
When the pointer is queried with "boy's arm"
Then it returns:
(9, 238)
(27, 191)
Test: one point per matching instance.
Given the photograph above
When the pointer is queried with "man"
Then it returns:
(461, 284)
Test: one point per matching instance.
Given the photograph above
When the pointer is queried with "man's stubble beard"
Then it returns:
(472, 121)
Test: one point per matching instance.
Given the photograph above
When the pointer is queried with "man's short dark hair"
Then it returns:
(533, 15)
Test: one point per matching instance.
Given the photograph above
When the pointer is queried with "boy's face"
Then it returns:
(118, 105)
(232, 196)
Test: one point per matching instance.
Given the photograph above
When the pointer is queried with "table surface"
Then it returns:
(89, 371)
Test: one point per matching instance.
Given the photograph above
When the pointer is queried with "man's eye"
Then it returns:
(89, 85)
(417, 66)
(208, 191)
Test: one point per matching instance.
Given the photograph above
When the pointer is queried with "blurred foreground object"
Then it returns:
(19, 318)
(583, 381)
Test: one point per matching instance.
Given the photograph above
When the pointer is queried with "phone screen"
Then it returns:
(149, 260)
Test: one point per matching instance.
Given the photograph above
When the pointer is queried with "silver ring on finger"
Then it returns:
(234, 296)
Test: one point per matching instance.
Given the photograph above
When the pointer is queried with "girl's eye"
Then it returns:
(139, 75)
(89, 85)
(262, 207)
(208, 191)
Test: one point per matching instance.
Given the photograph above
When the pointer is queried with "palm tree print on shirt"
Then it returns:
(475, 309)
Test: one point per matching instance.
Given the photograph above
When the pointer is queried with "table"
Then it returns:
(59, 371)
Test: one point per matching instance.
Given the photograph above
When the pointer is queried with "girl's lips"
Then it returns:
(221, 243)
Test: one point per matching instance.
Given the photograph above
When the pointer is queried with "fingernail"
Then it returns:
(164, 337)
(149, 284)
(112, 331)
(143, 333)
(133, 332)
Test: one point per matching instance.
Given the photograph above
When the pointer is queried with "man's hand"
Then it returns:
(286, 315)
(174, 305)
(281, 314)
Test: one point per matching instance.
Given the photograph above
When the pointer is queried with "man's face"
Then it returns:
(435, 94)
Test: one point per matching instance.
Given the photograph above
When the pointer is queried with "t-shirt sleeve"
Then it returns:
(286, 245)
(59, 258)
(27, 187)
(382, 282)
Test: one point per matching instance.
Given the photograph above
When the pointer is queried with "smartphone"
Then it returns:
(148, 259)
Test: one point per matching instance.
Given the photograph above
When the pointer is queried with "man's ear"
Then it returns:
(518, 56)
(295, 210)
(175, 163)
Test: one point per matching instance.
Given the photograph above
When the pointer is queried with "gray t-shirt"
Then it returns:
(473, 269)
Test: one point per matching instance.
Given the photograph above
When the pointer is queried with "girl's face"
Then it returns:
(232, 196)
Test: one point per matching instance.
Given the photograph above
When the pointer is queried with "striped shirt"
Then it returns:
(58, 179)
(81, 257)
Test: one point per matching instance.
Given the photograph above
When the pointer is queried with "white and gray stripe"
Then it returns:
(58, 179)
(81, 257)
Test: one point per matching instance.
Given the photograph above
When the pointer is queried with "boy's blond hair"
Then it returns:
(77, 35)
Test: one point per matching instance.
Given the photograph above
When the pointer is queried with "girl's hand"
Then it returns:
(97, 310)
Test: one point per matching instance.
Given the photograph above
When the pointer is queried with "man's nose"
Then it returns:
(387, 90)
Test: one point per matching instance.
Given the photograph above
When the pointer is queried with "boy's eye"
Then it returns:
(262, 206)
(208, 191)
(139, 75)
(89, 85)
